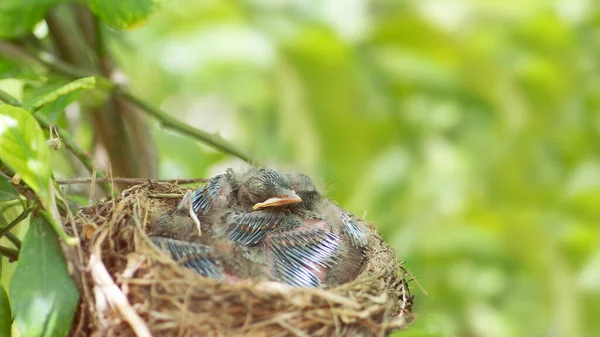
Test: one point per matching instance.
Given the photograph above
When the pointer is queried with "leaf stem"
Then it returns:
(78, 152)
(6, 97)
(80, 84)
(14, 239)
(11, 254)
(16, 221)
(69, 240)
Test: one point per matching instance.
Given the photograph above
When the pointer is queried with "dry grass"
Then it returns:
(130, 288)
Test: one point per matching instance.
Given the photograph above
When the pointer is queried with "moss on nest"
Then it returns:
(166, 299)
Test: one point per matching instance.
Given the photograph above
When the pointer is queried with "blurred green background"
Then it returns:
(467, 131)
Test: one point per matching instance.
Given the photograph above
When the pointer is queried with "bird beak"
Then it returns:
(185, 203)
(290, 198)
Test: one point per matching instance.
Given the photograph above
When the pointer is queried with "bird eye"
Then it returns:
(285, 196)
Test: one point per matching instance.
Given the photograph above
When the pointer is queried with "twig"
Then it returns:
(14, 239)
(13, 223)
(78, 152)
(12, 254)
(131, 181)
(173, 123)
(83, 157)
(69, 240)
(6, 97)
(164, 118)
(106, 287)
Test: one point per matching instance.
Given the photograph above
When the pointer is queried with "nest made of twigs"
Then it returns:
(130, 288)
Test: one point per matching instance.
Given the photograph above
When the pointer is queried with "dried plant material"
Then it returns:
(171, 300)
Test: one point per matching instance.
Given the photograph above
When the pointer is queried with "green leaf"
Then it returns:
(43, 295)
(5, 314)
(80, 84)
(23, 147)
(123, 13)
(55, 111)
(7, 191)
(18, 17)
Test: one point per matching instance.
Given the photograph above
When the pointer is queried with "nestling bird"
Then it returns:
(265, 225)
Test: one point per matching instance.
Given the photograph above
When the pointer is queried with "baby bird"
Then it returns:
(265, 225)
(175, 233)
(180, 223)
(258, 188)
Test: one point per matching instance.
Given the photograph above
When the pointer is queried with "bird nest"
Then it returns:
(128, 287)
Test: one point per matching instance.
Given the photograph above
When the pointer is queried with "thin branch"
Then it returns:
(174, 124)
(14, 239)
(6, 97)
(11, 254)
(16, 221)
(5, 176)
(128, 181)
(83, 157)
(78, 152)
(73, 34)
(163, 117)
(69, 240)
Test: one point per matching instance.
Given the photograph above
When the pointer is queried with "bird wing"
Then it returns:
(357, 233)
(202, 259)
(298, 254)
(250, 228)
(204, 197)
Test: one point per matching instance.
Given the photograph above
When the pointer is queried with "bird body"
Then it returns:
(265, 225)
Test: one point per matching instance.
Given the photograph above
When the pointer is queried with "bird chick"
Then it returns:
(257, 188)
(265, 225)
(352, 248)
(198, 257)
(180, 223)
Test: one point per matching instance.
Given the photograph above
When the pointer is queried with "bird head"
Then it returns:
(306, 190)
(179, 221)
(265, 188)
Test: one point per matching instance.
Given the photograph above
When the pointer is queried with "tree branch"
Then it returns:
(16, 221)
(14, 239)
(78, 152)
(170, 122)
(7, 98)
(11, 254)
(129, 181)
(164, 118)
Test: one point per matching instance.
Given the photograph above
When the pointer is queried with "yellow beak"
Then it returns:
(287, 199)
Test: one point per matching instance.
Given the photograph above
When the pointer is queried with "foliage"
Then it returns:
(468, 130)
(41, 291)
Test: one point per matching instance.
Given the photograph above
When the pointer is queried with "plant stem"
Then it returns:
(69, 240)
(129, 181)
(14, 239)
(16, 221)
(7, 98)
(11, 254)
(78, 152)
(173, 123)
(83, 157)
(164, 118)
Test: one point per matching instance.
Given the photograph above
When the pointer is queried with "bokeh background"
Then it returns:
(467, 131)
